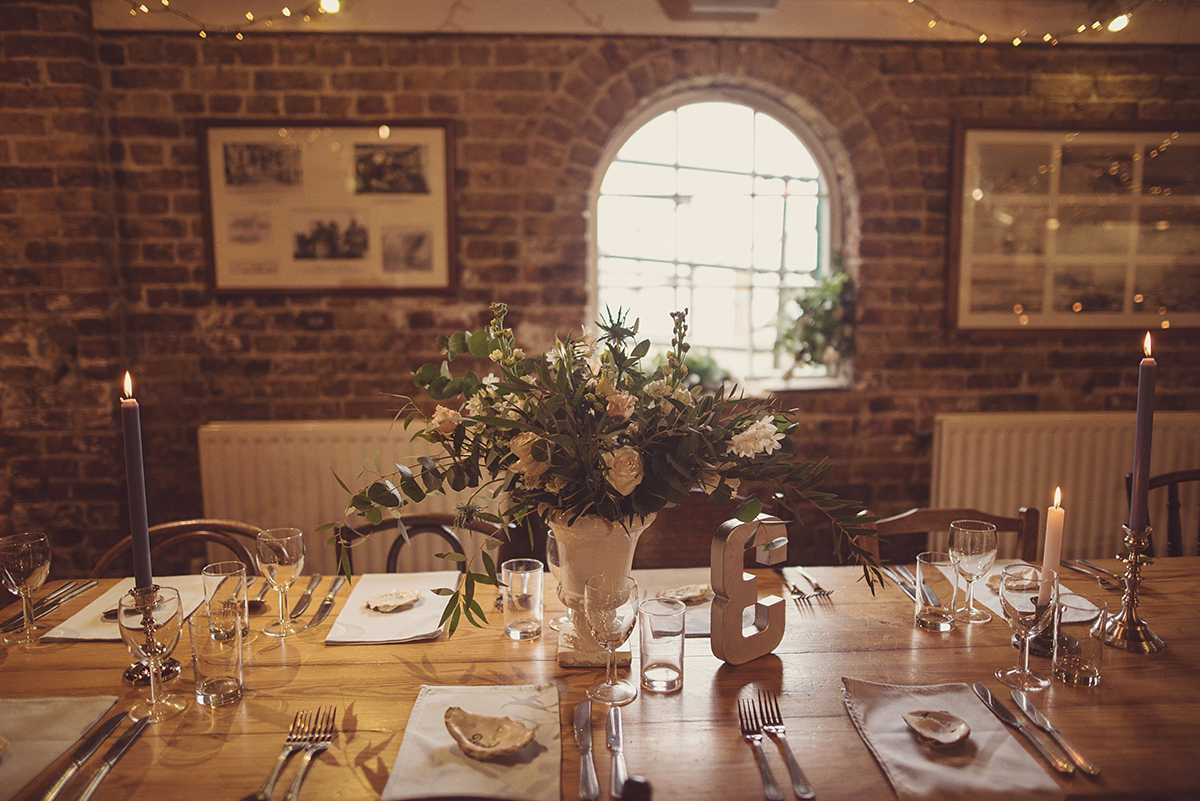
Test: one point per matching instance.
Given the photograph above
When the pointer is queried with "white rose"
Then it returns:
(621, 405)
(623, 469)
(522, 447)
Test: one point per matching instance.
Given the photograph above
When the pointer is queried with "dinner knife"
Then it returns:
(1045, 725)
(926, 591)
(115, 752)
(41, 611)
(19, 618)
(82, 752)
(326, 603)
(589, 785)
(1006, 717)
(306, 596)
(895, 577)
(615, 734)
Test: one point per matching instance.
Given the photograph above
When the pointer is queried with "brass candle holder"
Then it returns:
(1127, 630)
(138, 674)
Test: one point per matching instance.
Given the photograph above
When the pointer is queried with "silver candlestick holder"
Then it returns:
(1127, 630)
(138, 674)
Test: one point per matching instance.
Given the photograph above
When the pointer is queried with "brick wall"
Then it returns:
(103, 254)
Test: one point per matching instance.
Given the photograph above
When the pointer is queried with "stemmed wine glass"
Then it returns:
(24, 566)
(973, 551)
(150, 620)
(1028, 596)
(554, 560)
(610, 607)
(280, 557)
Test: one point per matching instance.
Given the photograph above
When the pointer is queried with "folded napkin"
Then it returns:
(431, 765)
(987, 593)
(696, 621)
(990, 765)
(358, 624)
(88, 623)
(39, 731)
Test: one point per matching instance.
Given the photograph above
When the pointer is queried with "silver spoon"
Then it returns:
(1101, 579)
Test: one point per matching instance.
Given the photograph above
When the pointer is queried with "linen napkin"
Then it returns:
(88, 623)
(358, 624)
(431, 765)
(39, 731)
(697, 620)
(987, 592)
(990, 765)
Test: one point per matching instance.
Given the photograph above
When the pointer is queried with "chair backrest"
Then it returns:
(171, 538)
(926, 519)
(437, 525)
(1171, 481)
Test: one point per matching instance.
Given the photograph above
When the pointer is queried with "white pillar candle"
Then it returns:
(1052, 552)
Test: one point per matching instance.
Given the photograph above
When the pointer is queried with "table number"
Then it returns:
(734, 590)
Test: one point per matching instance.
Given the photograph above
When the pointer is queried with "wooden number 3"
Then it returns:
(736, 590)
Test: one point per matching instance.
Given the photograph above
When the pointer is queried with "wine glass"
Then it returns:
(1027, 596)
(973, 551)
(280, 557)
(554, 560)
(24, 566)
(150, 620)
(610, 607)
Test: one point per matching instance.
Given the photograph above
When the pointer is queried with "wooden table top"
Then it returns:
(1141, 725)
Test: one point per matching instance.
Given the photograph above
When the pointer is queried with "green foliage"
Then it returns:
(818, 324)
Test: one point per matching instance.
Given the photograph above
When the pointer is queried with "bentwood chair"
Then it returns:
(180, 539)
(417, 528)
(927, 519)
(1171, 481)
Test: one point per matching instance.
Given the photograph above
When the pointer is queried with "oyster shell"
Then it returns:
(483, 737)
(937, 727)
(689, 594)
(393, 601)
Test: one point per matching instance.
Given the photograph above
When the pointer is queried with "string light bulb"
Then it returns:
(1119, 21)
(236, 31)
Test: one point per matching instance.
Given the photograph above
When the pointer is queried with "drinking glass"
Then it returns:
(280, 558)
(1028, 597)
(610, 608)
(973, 550)
(24, 566)
(150, 620)
(554, 561)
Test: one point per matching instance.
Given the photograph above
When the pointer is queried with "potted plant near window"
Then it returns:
(817, 326)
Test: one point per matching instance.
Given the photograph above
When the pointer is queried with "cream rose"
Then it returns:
(522, 447)
(444, 420)
(623, 469)
(621, 405)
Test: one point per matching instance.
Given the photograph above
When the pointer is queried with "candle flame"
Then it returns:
(1057, 497)
(1146, 345)
(128, 385)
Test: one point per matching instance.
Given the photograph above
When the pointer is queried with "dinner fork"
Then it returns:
(752, 733)
(799, 595)
(319, 739)
(772, 724)
(818, 590)
(296, 738)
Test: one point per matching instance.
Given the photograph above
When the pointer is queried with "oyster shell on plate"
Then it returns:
(484, 737)
(937, 727)
(689, 594)
(394, 600)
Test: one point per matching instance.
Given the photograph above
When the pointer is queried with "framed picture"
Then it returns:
(1075, 228)
(317, 207)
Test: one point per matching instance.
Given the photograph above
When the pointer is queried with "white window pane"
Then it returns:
(654, 142)
(624, 178)
(639, 227)
(708, 182)
(777, 151)
(803, 188)
(716, 135)
(715, 231)
(768, 230)
(636, 272)
(769, 186)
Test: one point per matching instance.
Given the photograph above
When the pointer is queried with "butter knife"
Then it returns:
(1008, 718)
(1042, 723)
(40, 612)
(80, 755)
(589, 785)
(926, 591)
(306, 596)
(49, 598)
(895, 577)
(615, 734)
(327, 603)
(115, 752)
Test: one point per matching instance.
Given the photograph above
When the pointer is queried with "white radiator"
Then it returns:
(273, 474)
(1003, 461)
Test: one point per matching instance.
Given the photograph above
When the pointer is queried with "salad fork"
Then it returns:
(818, 590)
(752, 733)
(319, 738)
(296, 738)
(772, 724)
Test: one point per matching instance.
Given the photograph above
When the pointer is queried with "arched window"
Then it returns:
(721, 208)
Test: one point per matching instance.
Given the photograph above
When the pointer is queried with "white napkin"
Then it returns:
(990, 765)
(88, 623)
(39, 731)
(358, 624)
(987, 597)
(697, 619)
(431, 765)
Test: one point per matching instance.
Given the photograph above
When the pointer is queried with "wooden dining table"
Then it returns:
(1140, 725)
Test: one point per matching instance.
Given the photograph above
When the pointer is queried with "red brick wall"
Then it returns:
(103, 253)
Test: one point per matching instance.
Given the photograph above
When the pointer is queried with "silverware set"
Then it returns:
(762, 715)
(1052, 755)
(49, 603)
(312, 733)
(1104, 577)
(800, 596)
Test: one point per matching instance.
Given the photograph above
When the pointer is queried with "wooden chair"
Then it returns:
(925, 520)
(435, 525)
(1171, 481)
(167, 539)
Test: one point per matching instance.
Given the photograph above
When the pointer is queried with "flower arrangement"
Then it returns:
(583, 430)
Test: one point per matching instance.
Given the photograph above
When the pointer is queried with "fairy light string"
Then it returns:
(307, 13)
(1118, 21)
